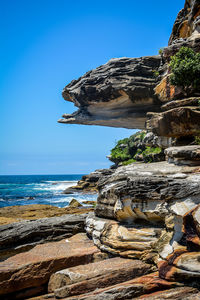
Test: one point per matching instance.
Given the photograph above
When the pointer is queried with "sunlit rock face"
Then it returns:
(117, 94)
(187, 22)
(148, 211)
(140, 210)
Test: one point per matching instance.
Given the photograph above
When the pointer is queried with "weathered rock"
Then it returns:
(117, 94)
(179, 293)
(129, 289)
(188, 102)
(180, 265)
(121, 239)
(183, 264)
(186, 23)
(21, 236)
(75, 203)
(153, 140)
(137, 191)
(177, 122)
(34, 268)
(88, 183)
(89, 202)
(149, 203)
(167, 92)
(80, 280)
(185, 155)
(18, 213)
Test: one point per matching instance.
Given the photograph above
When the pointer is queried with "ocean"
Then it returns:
(39, 189)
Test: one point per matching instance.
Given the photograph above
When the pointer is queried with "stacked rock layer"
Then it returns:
(149, 212)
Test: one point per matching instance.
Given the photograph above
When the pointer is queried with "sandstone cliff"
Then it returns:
(148, 211)
(145, 231)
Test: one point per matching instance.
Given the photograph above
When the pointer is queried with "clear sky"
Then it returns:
(44, 45)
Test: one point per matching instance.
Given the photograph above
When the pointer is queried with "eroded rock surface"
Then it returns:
(80, 280)
(88, 183)
(21, 236)
(34, 268)
(146, 207)
(149, 212)
(177, 122)
(188, 155)
(129, 289)
(187, 22)
(117, 94)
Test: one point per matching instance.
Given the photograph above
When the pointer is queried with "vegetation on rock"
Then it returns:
(134, 149)
(185, 67)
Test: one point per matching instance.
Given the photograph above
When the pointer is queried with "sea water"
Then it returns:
(39, 189)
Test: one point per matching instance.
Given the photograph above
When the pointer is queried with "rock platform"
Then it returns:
(26, 272)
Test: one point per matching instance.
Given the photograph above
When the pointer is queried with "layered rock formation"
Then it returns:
(22, 236)
(117, 94)
(24, 273)
(88, 183)
(145, 231)
(122, 92)
(148, 211)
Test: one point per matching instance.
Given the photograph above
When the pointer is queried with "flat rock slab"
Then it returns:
(83, 279)
(129, 289)
(18, 213)
(176, 122)
(22, 236)
(188, 155)
(34, 268)
(179, 293)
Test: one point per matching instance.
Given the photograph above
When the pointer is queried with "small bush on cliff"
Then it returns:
(120, 152)
(185, 67)
(133, 149)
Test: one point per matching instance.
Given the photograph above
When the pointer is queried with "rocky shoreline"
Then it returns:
(142, 238)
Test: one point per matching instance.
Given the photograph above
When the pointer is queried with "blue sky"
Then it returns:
(44, 45)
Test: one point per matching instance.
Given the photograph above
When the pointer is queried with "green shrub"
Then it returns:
(128, 162)
(120, 152)
(197, 139)
(133, 149)
(155, 73)
(160, 51)
(185, 67)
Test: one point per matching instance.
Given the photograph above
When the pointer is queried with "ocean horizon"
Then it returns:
(39, 189)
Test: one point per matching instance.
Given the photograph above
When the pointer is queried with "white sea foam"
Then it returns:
(58, 186)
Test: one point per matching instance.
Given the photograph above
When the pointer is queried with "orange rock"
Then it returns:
(34, 268)
(185, 30)
(129, 289)
(165, 91)
(83, 279)
(173, 294)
